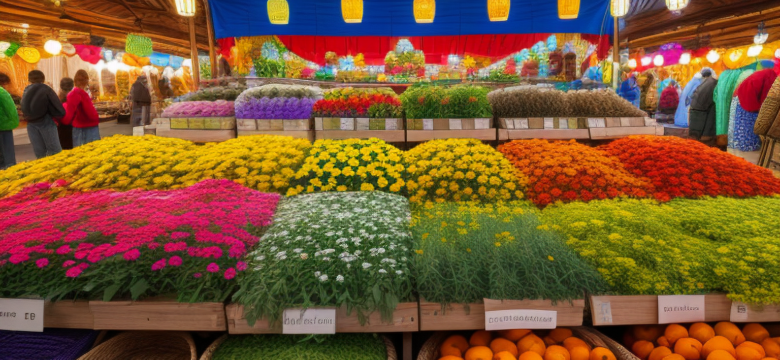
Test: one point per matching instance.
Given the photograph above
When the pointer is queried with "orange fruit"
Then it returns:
(556, 352)
(659, 353)
(454, 345)
(504, 355)
(514, 335)
(689, 348)
(600, 353)
(646, 332)
(701, 332)
(755, 333)
(674, 357)
(642, 349)
(500, 344)
(450, 357)
(579, 353)
(572, 342)
(480, 338)
(560, 334)
(749, 350)
(730, 332)
(531, 342)
(720, 355)
(675, 332)
(771, 348)
(663, 341)
(718, 343)
(479, 353)
(776, 339)
(530, 355)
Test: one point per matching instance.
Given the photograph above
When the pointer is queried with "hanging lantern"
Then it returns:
(658, 60)
(713, 56)
(677, 5)
(185, 7)
(755, 50)
(632, 64)
(424, 11)
(646, 61)
(53, 47)
(568, 9)
(685, 58)
(278, 12)
(761, 36)
(29, 54)
(352, 11)
(498, 10)
(619, 8)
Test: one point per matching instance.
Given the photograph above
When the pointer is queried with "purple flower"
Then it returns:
(174, 261)
(68, 263)
(230, 273)
(159, 265)
(42, 262)
(241, 266)
(212, 268)
(132, 255)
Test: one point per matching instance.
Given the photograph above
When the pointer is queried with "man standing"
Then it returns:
(142, 100)
(9, 120)
(39, 105)
(702, 113)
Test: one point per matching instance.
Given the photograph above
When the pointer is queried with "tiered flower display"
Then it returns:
(276, 101)
(568, 171)
(351, 165)
(219, 108)
(349, 249)
(687, 168)
(460, 170)
(106, 244)
(436, 102)
(501, 251)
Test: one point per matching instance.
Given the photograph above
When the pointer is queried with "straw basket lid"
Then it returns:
(209, 353)
(52, 343)
(145, 345)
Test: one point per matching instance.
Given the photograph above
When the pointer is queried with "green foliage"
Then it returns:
(331, 249)
(426, 101)
(466, 252)
(229, 93)
(384, 110)
(682, 247)
(268, 67)
(498, 75)
(291, 347)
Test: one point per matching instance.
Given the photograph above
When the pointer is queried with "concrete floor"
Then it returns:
(24, 150)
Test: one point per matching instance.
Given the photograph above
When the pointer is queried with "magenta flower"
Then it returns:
(64, 249)
(42, 262)
(75, 236)
(59, 183)
(241, 266)
(175, 261)
(159, 265)
(197, 275)
(132, 255)
(68, 263)
(230, 273)
(153, 245)
(74, 272)
(177, 235)
(213, 267)
(177, 246)
(19, 258)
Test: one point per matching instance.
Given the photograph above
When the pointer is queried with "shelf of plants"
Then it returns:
(199, 120)
(360, 113)
(276, 109)
(371, 230)
(438, 112)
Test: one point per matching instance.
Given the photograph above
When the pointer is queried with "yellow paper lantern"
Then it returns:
(278, 12)
(29, 54)
(676, 5)
(424, 11)
(498, 10)
(735, 58)
(568, 9)
(185, 7)
(352, 11)
(619, 8)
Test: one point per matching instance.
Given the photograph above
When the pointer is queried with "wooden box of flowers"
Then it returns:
(277, 109)
(359, 113)
(199, 121)
(435, 112)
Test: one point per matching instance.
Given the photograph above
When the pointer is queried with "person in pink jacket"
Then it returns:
(81, 113)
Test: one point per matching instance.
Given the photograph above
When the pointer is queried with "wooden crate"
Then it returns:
(309, 135)
(743, 313)
(426, 135)
(619, 132)
(405, 319)
(158, 315)
(458, 317)
(548, 134)
(67, 315)
(198, 135)
(643, 309)
(397, 136)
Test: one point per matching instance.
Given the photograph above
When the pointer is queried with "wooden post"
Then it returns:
(210, 28)
(194, 54)
(616, 55)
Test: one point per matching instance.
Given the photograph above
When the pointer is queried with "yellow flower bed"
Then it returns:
(460, 170)
(351, 165)
(265, 163)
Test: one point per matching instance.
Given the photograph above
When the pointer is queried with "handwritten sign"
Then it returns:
(680, 308)
(520, 319)
(309, 321)
(21, 314)
(602, 310)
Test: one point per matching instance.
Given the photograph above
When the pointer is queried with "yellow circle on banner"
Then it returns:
(734, 58)
(29, 54)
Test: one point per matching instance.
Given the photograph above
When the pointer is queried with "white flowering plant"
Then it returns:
(331, 249)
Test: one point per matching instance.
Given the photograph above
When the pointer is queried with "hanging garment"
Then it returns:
(755, 89)
(733, 108)
(744, 137)
(681, 116)
(722, 97)
(702, 116)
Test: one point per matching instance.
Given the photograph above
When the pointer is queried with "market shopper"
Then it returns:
(702, 113)
(65, 132)
(9, 120)
(142, 100)
(40, 105)
(81, 112)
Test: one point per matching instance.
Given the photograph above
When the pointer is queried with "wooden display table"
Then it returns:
(434, 317)
(158, 315)
(643, 309)
(68, 315)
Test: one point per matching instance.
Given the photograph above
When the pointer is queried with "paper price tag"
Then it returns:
(602, 310)
(455, 124)
(427, 124)
(521, 123)
(680, 308)
(549, 123)
(739, 312)
(347, 124)
(520, 319)
(309, 321)
(21, 314)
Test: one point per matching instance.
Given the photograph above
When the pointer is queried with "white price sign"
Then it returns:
(520, 319)
(309, 321)
(680, 308)
(21, 314)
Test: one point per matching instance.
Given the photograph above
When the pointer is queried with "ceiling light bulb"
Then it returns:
(658, 60)
(646, 61)
(53, 47)
(685, 58)
(755, 50)
(632, 63)
(713, 56)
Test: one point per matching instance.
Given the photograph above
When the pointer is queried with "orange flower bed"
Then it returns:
(686, 168)
(568, 171)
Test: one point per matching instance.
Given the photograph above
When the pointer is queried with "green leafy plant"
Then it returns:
(432, 101)
(292, 347)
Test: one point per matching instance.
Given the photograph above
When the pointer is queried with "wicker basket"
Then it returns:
(769, 110)
(52, 343)
(430, 350)
(209, 353)
(145, 345)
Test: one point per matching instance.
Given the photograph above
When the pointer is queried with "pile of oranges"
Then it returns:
(558, 344)
(703, 342)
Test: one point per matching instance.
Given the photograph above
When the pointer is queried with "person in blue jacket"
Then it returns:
(630, 91)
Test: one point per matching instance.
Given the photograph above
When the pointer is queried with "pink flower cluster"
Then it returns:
(204, 224)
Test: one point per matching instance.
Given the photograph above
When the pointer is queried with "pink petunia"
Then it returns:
(64, 249)
(177, 235)
(159, 265)
(241, 266)
(213, 267)
(132, 255)
(19, 258)
(197, 275)
(74, 272)
(175, 261)
(42, 262)
(230, 273)
(177, 246)
(75, 236)
(68, 263)
(153, 245)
